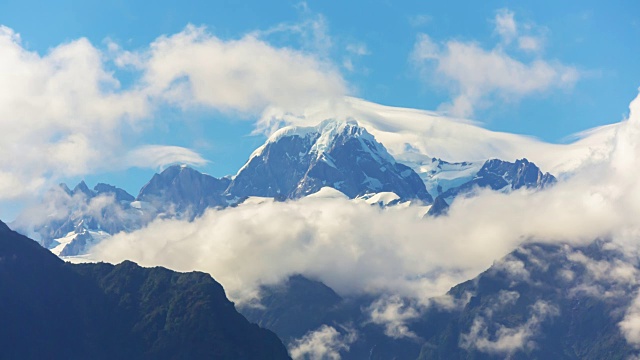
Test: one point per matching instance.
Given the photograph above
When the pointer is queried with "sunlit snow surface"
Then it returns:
(62, 242)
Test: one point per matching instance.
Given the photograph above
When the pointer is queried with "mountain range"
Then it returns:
(294, 162)
(562, 302)
(541, 301)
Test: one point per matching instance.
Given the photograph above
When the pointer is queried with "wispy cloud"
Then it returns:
(159, 156)
(507, 340)
(323, 343)
(419, 20)
(477, 77)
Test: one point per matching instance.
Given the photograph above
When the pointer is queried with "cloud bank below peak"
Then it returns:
(353, 247)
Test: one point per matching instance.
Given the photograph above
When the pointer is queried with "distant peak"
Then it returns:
(4, 227)
(120, 194)
(64, 188)
(175, 169)
(178, 168)
(82, 188)
(327, 126)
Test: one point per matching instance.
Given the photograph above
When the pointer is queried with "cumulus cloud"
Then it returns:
(351, 246)
(393, 312)
(477, 76)
(60, 112)
(243, 75)
(324, 343)
(64, 113)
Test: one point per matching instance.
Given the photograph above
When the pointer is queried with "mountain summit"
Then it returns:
(182, 189)
(297, 161)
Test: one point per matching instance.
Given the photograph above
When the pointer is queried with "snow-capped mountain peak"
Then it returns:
(324, 137)
(296, 161)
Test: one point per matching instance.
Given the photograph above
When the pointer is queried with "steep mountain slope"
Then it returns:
(183, 191)
(496, 175)
(539, 302)
(300, 306)
(297, 161)
(502, 175)
(54, 310)
(63, 213)
(440, 176)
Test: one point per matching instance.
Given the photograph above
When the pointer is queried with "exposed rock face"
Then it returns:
(184, 191)
(496, 175)
(298, 161)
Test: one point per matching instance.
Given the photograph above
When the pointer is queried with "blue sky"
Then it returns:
(588, 50)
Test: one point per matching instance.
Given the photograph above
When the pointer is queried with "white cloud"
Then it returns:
(477, 76)
(507, 340)
(415, 136)
(64, 113)
(354, 51)
(158, 156)
(514, 267)
(353, 247)
(614, 272)
(245, 75)
(528, 37)
(60, 112)
(630, 325)
(311, 31)
(506, 25)
(359, 49)
(59, 205)
(530, 43)
(325, 343)
(393, 313)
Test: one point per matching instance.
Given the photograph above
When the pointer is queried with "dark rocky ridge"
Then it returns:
(54, 310)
